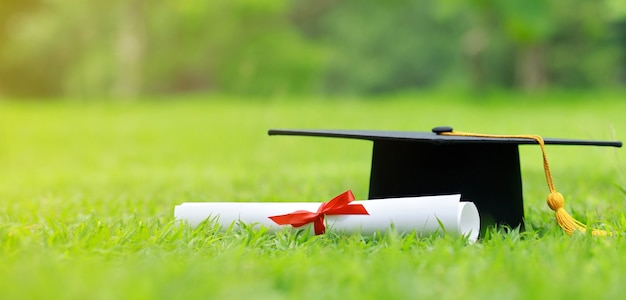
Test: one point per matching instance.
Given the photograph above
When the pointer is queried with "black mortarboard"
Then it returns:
(484, 169)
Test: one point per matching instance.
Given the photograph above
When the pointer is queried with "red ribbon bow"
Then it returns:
(337, 206)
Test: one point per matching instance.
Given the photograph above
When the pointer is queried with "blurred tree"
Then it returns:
(535, 43)
(562, 42)
(125, 48)
(530, 44)
(528, 24)
(13, 74)
(234, 46)
(381, 46)
(64, 46)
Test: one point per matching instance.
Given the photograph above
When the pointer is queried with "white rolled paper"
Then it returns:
(422, 214)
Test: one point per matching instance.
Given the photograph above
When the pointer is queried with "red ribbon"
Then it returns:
(337, 206)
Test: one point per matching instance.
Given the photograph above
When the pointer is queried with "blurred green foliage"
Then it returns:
(127, 48)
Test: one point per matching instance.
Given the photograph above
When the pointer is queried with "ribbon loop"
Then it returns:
(340, 205)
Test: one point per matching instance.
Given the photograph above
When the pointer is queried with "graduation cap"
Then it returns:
(483, 168)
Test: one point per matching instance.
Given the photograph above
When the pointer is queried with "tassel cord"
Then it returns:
(555, 199)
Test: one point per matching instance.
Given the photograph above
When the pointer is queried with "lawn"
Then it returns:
(87, 192)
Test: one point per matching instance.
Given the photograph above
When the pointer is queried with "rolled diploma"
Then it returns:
(422, 214)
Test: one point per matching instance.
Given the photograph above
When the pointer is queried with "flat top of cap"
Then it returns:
(432, 137)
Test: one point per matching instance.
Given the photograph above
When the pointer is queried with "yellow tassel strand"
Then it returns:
(555, 200)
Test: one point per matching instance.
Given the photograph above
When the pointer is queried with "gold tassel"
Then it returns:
(555, 199)
(566, 221)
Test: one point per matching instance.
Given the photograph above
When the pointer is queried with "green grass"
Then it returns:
(87, 192)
